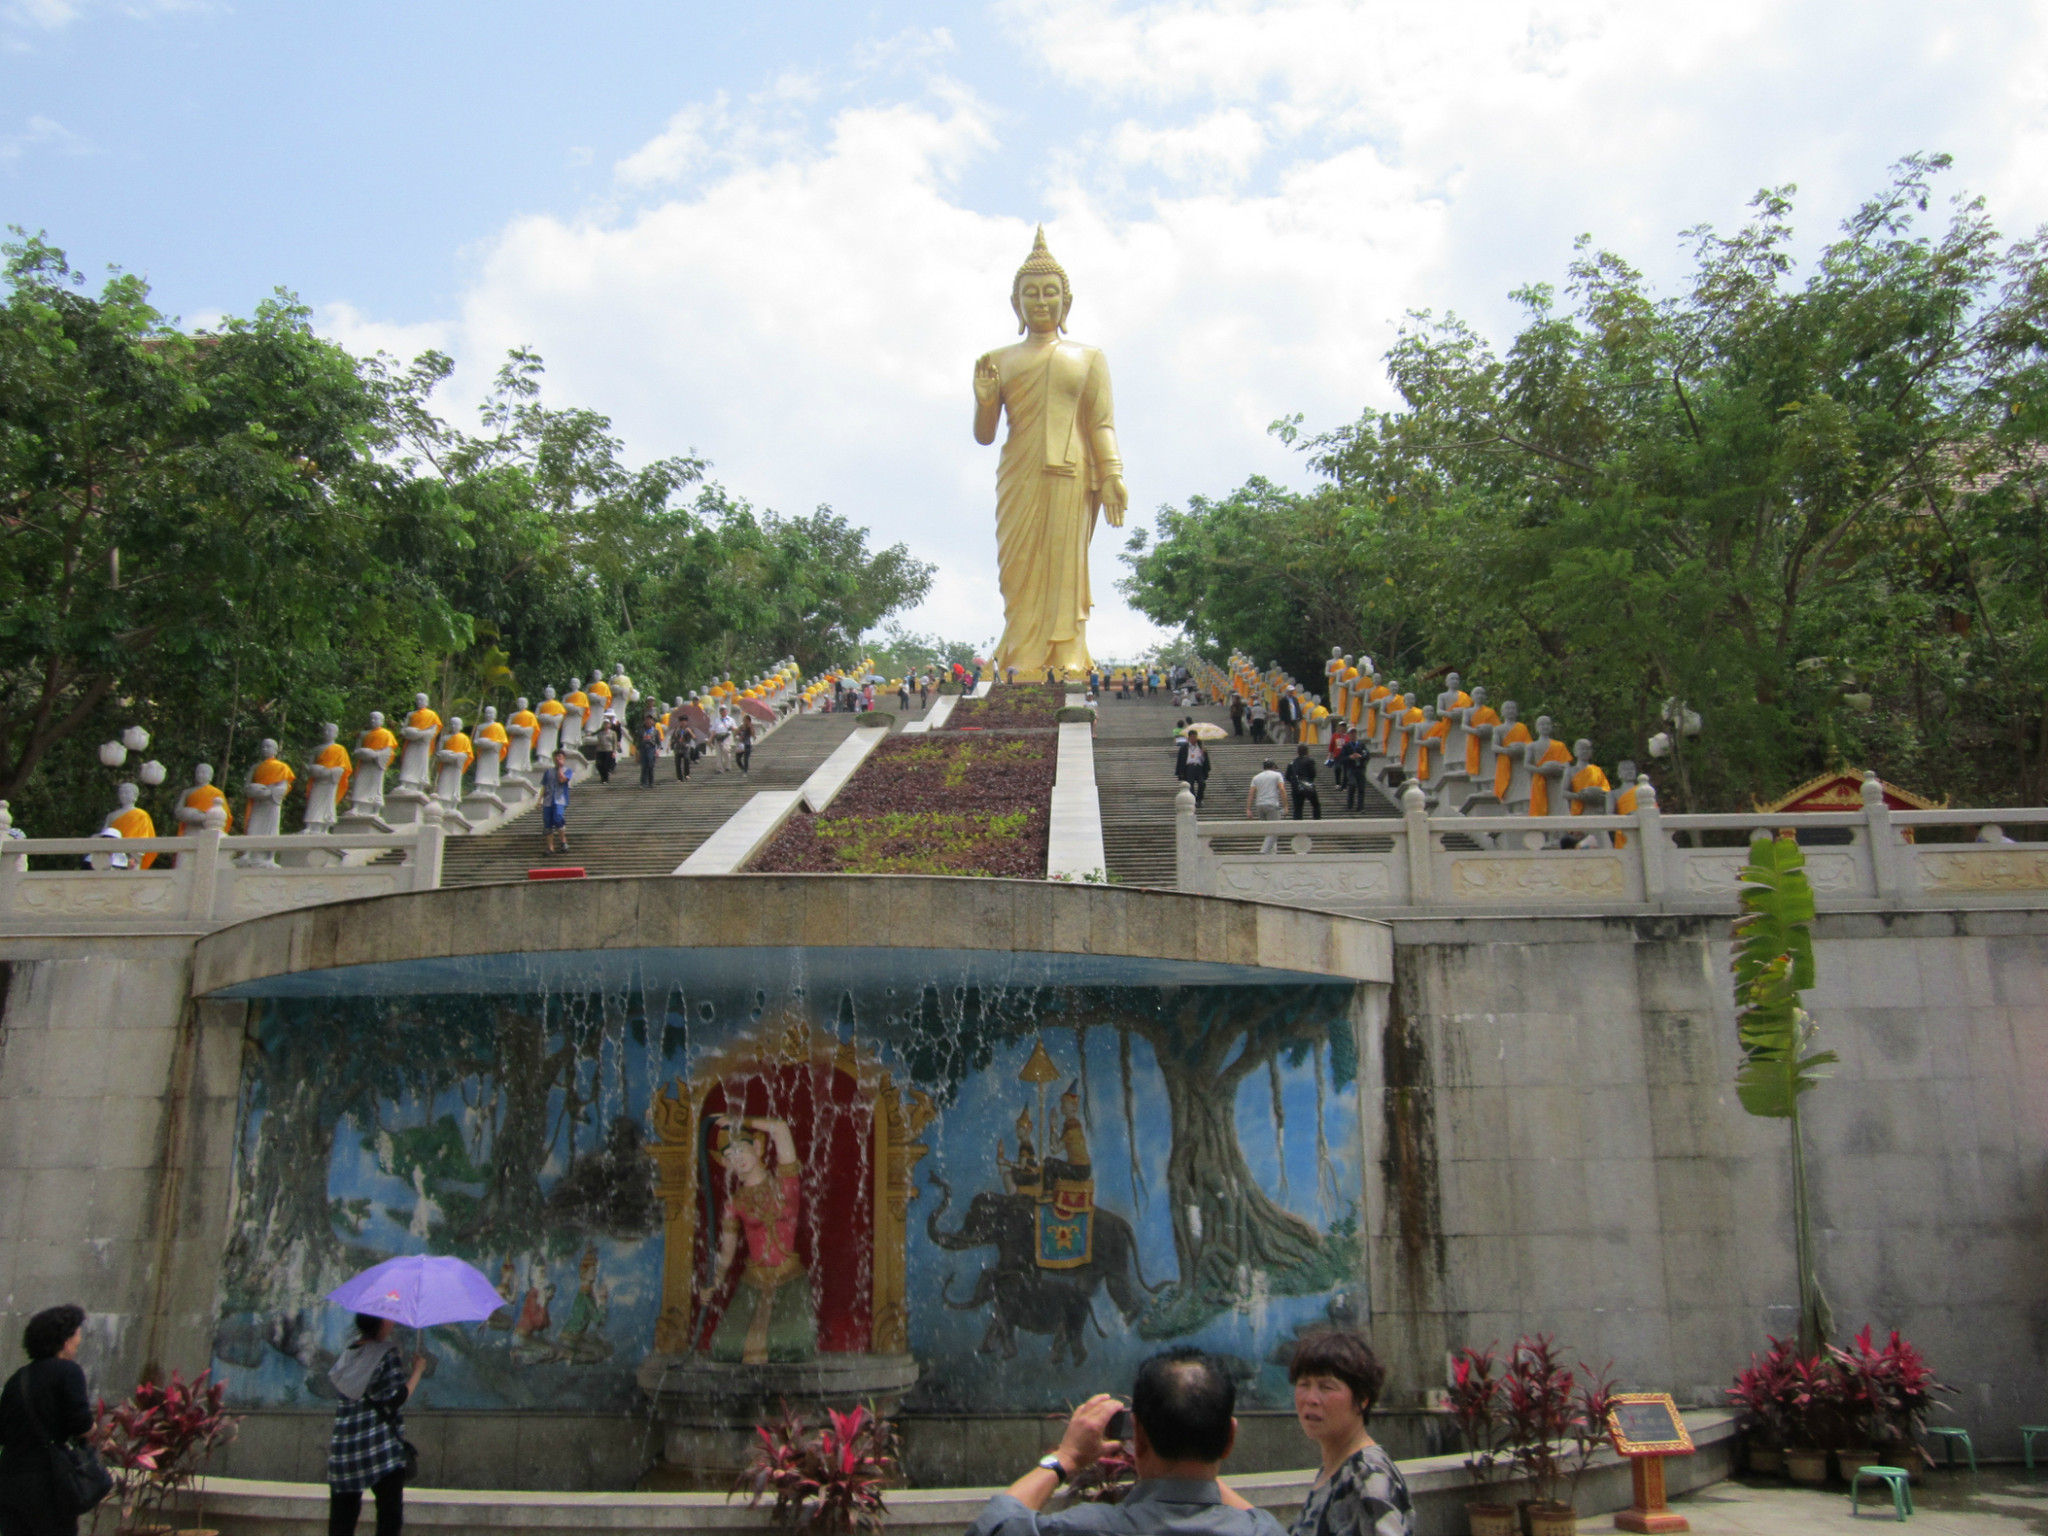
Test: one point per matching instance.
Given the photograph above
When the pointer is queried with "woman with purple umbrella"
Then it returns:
(367, 1450)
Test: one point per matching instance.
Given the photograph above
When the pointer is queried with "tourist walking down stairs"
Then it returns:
(554, 803)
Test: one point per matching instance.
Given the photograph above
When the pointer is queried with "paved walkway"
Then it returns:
(1994, 1500)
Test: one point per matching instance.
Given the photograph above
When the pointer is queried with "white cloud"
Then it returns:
(796, 282)
(41, 133)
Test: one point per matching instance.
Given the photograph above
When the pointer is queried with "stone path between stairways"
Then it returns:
(622, 829)
(1134, 755)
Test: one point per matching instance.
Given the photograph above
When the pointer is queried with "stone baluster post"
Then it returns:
(1650, 839)
(1421, 856)
(207, 861)
(1192, 858)
(426, 855)
(1890, 863)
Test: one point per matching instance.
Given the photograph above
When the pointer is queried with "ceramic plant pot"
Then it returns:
(1805, 1465)
(1766, 1461)
(1548, 1520)
(1905, 1455)
(1849, 1458)
(1492, 1520)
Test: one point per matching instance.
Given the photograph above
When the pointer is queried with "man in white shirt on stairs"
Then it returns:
(1266, 800)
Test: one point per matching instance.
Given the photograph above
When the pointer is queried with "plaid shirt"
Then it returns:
(364, 1447)
(1366, 1494)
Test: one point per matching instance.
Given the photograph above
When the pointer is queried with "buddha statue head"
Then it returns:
(1509, 712)
(519, 703)
(1543, 728)
(575, 685)
(490, 715)
(1625, 774)
(376, 720)
(329, 730)
(1040, 293)
(419, 701)
(125, 794)
(202, 773)
(1478, 695)
(267, 747)
(1582, 752)
(455, 725)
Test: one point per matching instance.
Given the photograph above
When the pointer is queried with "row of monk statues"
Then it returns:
(1462, 755)
(445, 771)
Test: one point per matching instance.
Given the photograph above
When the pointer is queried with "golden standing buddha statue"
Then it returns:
(1060, 467)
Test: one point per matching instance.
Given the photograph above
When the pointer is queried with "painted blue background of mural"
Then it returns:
(513, 1130)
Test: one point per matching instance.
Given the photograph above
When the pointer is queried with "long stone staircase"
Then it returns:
(622, 829)
(1134, 755)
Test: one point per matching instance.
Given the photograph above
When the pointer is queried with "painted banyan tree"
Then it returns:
(731, 1172)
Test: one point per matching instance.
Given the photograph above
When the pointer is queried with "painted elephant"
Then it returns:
(1018, 1293)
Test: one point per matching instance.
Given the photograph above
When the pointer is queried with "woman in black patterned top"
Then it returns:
(1336, 1381)
(367, 1450)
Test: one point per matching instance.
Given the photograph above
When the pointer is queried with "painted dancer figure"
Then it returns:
(769, 1318)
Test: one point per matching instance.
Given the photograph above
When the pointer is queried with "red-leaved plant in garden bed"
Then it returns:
(931, 805)
(1476, 1410)
(1010, 706)
(1557, 1419)
(830, 1480)
(158, 1444)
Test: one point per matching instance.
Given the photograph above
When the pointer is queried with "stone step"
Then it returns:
(622, 829)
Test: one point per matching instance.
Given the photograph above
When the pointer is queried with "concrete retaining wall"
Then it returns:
(1561, 1149)
(1559, 1146)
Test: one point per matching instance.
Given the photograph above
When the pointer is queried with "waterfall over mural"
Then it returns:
(1006, 1174)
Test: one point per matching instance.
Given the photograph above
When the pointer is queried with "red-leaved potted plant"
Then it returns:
(1764, 1391)
(830, 1480)
(1475, 1402)
(1557, 1422)
(157, 1445)
(1892, 1389)
(1812, 1409)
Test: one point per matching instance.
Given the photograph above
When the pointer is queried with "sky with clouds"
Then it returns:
(780, 233)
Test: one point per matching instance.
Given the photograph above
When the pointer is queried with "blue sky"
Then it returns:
(780, 233)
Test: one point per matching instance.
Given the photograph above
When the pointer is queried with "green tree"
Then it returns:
(1808, 505)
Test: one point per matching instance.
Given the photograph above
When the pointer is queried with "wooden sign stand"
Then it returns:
(1646, 1428)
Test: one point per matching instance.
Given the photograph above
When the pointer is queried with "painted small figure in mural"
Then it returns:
(582, 1340)
(530, 1328)
(770, 1318)
(1021, 1176)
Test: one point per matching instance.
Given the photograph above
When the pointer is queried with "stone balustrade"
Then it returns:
(206, 880)
(1633, 863)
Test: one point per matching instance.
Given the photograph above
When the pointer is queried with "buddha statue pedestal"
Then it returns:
(708, 1409)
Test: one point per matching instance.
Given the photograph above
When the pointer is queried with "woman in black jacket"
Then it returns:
(43, 1404)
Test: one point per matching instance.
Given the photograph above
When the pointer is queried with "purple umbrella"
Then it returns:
(422, 1290)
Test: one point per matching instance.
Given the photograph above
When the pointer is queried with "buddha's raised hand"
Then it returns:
(988, 382)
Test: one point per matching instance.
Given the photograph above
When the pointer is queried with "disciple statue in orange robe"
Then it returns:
(327, 778)
(1481, 717)
(193, 806)
(131, 821)
(422, 729)
(374, 750)
(1509, 735)
(523, 729)
(1548, 760)
(269, 783)
(1060, 468)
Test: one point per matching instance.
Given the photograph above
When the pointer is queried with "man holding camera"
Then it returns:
(1181, 1427)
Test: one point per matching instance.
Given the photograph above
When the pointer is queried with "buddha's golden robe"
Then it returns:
(271, 771)
(491, 731)
(1438, 730)
(1061, 447)
(1591, 777)
(457, 741)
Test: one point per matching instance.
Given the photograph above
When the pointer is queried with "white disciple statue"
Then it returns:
(374, 750)
(1059, 469)
(520, 730)
(327, 779)
(268, 784)
(422, 729)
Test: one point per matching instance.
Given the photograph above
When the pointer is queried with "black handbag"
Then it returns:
(409, 1471)
(78, 1478)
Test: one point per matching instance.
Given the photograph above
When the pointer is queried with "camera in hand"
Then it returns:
(1119, 1426)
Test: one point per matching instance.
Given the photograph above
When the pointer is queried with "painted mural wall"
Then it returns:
(1026, 1189)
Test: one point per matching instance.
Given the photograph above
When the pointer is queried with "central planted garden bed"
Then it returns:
(1013, 706)
(950, 803)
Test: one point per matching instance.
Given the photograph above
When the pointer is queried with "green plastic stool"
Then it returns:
(1901, 1486)
(1950, 1434)
(2027, 1434)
